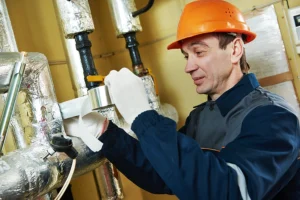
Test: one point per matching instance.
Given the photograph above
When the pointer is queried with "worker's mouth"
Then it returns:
(198, 80)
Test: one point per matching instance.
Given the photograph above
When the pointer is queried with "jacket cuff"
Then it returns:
(109, 137)
(144, 121)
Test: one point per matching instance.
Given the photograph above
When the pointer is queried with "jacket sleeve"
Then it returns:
(248, 167)
(126, 154)
(183, 129)
(266, 150)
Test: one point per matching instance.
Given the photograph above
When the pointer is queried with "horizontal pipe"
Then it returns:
(27, 175)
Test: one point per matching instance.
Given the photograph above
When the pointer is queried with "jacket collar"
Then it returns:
(234, 95)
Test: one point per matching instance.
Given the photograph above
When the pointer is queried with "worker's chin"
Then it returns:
(200, 89)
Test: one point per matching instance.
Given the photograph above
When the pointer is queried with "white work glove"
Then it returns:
(128, 93)
(88, 128)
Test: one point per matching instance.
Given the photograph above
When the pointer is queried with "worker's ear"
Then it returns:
(237, 50)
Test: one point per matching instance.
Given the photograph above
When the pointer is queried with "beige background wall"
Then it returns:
(36, 30)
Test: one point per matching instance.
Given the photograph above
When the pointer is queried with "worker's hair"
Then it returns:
(224, 40)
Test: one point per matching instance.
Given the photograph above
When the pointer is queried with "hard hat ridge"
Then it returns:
(209, 16)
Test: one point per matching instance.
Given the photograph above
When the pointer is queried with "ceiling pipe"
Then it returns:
(27, 175)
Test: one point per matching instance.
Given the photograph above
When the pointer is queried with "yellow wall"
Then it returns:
(36, 30)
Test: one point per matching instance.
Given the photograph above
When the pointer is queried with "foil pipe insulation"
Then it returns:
(121, 11)
(75, 17)
(37, 102)
(36, 107)
(166, 110)
(27, 175)
(76, 22)
(153, 98)
(7, 37)
(8, 44)
(73, 57)
(108, 179)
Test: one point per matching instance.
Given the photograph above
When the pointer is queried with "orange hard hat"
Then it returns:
(210, 16)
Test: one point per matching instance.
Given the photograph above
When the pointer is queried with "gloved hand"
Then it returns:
(88, 128)
(128, 93)
(88, 125)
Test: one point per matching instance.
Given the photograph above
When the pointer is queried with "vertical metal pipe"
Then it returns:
(76, 21)
(7, 37)
(108, 179)
(18, 132)
(8, 44)
(83, 45)
(121, 12)
(11, 99)
(75, 67)
(72, 55)
(74, 16)
(132, 45)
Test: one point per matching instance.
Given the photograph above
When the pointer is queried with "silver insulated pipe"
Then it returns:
(75, 16)
(7, 37)
(26, 174)
(75, 67)
(121, 12)
(64, 11)
(8, 44)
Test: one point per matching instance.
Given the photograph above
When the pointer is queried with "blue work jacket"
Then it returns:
(244, 145)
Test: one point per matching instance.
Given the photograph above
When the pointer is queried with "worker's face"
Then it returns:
(208, 64)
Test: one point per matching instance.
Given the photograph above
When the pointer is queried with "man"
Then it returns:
(243, 143)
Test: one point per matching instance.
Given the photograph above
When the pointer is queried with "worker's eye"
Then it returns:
(199, 53)
(186, 57)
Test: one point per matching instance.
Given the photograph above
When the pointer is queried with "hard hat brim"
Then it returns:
(250, 36)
